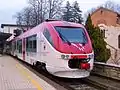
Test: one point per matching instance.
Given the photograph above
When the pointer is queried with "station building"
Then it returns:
(109, 23)
(9, 31)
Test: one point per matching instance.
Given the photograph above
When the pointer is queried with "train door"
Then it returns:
(11, 48)
(42, 48)
(19, 49)
(23, 51)
(31, 49)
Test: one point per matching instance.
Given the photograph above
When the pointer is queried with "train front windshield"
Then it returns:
(72, 34)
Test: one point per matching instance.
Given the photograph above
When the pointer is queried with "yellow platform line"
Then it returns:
(25, 73)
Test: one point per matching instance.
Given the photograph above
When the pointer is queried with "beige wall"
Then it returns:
(111, 38)
(10, 29)
(112, 34)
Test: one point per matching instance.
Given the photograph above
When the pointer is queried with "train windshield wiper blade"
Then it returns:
(64, 38)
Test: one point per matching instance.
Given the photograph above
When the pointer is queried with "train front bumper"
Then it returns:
(69, 73)
(62, 67)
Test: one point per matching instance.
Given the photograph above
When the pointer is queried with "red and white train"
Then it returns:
(63, 48)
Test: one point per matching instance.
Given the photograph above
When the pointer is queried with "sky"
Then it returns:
(8, 8)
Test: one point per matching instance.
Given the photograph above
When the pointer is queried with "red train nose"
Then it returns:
(85, 65)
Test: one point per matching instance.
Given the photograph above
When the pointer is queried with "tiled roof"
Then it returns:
(105, 9)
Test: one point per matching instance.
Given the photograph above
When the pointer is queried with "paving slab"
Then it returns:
(14, 76)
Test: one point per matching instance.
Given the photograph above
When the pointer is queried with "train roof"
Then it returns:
(64, 23)
(35, 30)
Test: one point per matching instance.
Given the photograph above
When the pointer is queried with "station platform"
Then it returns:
(15, 76)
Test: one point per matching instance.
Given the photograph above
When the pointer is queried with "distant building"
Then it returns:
(109, 23)
(3, 37)
(105, 16)
(112, 38)
(11, 28)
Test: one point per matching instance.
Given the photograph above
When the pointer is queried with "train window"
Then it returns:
(48, 36)
(72, 34)
(19, 46)
(34, 44)
(31, 44)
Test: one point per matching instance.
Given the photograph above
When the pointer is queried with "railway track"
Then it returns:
(77, 84)
(70, 84)
(103, 82)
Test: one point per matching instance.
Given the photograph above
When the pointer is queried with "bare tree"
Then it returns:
(38, 11)
(27, 15)
(35, 5)
(19, 17)
(54, 7)
(108, 4)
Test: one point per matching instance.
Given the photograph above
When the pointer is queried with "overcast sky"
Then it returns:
(8, 8)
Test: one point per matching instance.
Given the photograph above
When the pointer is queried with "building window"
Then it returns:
(119, 41)
(31, 44)
(103, 33)
(48, 36)
(118, 21)
(101, 12)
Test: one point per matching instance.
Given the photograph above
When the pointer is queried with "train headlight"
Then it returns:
(91, 56)
(85, 60)
(65, 57)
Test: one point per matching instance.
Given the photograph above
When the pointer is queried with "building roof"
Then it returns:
(106, 10)
(15, 25)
